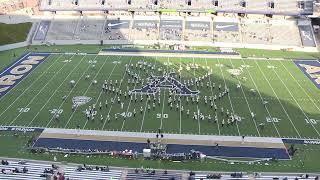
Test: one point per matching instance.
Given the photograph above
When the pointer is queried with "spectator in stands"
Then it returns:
(4, 162)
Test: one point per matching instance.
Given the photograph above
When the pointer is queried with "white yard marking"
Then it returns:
(248, 105)
(309, 98)
(278, 100)
(124, 74)
(52, 94)
(198, 110)
(164, 97)
(211, 89)
(87, 90)
(31, 101)
(101, 91)
(134, 87)
(262, 99)
(25, 90)
(144, 113)
(224, 80)
(180, 128)
(69, 92)
(18, 61)
(145, 106)
(294, 99)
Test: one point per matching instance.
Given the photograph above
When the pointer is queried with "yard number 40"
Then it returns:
(23, 110)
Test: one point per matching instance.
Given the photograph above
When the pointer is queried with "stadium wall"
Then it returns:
(186, 43)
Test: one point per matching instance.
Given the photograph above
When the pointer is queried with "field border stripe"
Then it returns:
(308, 62)
(13, 63)
(16, 81)
(26, 88)
(40, 91)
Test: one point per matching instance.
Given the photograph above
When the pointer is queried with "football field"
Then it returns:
(267, 98)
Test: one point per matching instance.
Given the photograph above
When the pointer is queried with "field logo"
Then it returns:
(81, 100)
(20, 69)
(165, 82)
(311, 69)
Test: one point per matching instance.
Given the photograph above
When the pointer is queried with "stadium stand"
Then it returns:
(286, 7)
(90, 27)
(145, 28)
(62, 29)
(196, 30)
(145, 174)
(172, 29)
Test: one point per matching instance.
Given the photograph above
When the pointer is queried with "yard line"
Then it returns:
(245, 97)
(135, 84)
(278, 100)
(37, 94)
(71, 89)
(124, 74)
(164, 97)
(101, 91)
(294, 99)
(213, 101)
(224, 80)
(25, 90)
(180, 128)
(55, 91)
(312, 100)
(145, 106)
(144, 113)
(262, 99)
(194, 74)
(86, 91)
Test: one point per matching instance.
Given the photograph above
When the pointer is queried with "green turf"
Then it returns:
(13, 33)
(277, 53)
(7, 57)
(292, 98)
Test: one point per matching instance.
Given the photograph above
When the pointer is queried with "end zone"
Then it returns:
(20, 69)
(311, 68)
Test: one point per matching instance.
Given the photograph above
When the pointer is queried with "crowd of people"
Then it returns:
(10, 170)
